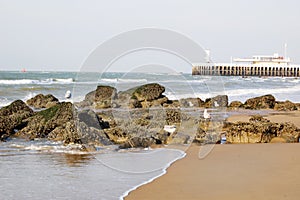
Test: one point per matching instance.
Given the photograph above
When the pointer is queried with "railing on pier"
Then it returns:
(246, 70)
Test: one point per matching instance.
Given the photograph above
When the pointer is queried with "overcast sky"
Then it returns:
(60, 34)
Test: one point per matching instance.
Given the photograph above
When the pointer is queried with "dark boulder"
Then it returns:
(91, 119)
(102, 97)
(148, 92)
(144, 96)
(42, 101)
(12, 118)
(262, 102)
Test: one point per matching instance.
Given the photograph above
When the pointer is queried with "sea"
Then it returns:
(43, 169)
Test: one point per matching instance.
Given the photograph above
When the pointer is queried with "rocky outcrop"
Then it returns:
(191, 102)
(42, 123)
(235, 105)
(260, 130)
(262, 102)
(217, 101)
(148, 92)
(101, 98)
(62, 123)
(285, 106)
(144, 96)
(42, 101)
(12, 118)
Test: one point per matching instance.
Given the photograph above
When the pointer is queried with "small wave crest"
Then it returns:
(36, 81)
(115, 80)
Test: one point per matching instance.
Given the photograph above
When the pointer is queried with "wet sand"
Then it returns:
(232, 171)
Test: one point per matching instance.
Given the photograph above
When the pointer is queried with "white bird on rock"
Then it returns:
(68, 94)
(206, 115)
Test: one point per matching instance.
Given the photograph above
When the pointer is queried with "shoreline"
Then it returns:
(126, 193)
(266, 170)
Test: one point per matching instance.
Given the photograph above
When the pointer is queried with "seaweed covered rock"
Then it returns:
(42, 101)
(235, 105)
(43, 122)
(148, 92)
(285, 106)
(102, 97)
(260, 130)
(62, 123)
(12, 118)
(79, 133)
(262, 102)
(143, 96)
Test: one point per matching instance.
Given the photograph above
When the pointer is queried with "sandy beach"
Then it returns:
(232, 171)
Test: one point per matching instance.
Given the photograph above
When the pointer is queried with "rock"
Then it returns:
(191, 102)
(173, 116)
(144, 96)
(172, 104)
(235, 104)
(289, 132)
(43, 122)
(278, 140)
(179, 138)
(12, 118)
(138, 142)
(217, 101)
(58, 123)
(160, 101)
(91, 119)
(42, 101)
(262, 102)
(285, 106)
(127, 100)
(116, 135)
(208, 131)
(101, 98)
(148, 92)
(200, 136)
(258, 118)
(79, 134)
(260, 130)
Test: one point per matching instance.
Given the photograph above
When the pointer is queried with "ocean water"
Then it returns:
(17, 85)
(42, 169)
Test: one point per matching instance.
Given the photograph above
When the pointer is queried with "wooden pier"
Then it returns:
(245, 70)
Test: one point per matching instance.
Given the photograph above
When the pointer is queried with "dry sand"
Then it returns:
(232, 171)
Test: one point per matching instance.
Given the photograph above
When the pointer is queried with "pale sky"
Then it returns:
(60, 34)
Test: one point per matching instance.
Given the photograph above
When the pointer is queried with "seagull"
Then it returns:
(216, 104)
(68, 94)
(206, 115)
(170, 128)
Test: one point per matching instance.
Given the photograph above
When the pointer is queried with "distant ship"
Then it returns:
(260, 65)
(23, 70)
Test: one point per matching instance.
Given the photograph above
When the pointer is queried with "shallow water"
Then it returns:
(45, 170)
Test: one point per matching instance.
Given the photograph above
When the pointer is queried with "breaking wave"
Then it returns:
(36, 81)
